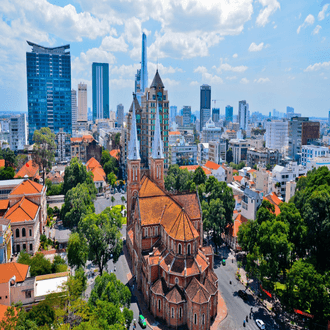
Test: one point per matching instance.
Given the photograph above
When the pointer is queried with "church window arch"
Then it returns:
(159, 304)
(203, 319)
(195, 318)
(172, 313)
(179, 248)
(180, 312)
(189, 248)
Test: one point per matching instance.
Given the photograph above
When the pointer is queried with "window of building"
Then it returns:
(158, 304)
(156, 231)
(146, 232)
(24, 247)
(23, 232)
(180, 312)
(172, 244)
(172, 313)
(176, 280)
(27, 294)
(18, 248)
(180, 249)
(17, 232)
(30, 232)
(195, 318)
(189, 249)
(31, 247)
(203, 319)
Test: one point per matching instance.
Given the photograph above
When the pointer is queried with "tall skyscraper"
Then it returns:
(144, 64)
(49, 88)
(173, 112)
(186, 114)
(18, 132)
(120, 114)
(243, 114)
(205, 104)
(137, 87)
(215, 115)
(82, 102)
(289, 110)
(100, 82)
(229, 113)
(74, 108)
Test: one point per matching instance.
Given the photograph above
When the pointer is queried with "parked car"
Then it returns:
(260, 324)
(243, 294)
(224, 262)
(142, 321)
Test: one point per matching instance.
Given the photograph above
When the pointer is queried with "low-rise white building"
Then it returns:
(217, 151)
(290, 190)
(318, 162)
(18, 132)
(308, 153)
(277, 135)
(211, 132)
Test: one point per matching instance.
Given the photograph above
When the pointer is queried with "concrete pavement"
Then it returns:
(102, 202)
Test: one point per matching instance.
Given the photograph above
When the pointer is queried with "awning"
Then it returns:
(297, 311)
(267, 293)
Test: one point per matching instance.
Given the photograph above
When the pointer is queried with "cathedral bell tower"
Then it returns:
(133, 167)
(157, 157)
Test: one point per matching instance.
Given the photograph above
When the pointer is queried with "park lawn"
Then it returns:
(117, 209)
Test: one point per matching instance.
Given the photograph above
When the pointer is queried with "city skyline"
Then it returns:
(270, 53)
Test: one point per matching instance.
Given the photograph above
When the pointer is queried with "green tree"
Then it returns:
(24, 258)
(77, 204)
(7, 173)
(247, 235)
(42, 314)
(105, 157)
(40, 265)
(44, 149)
(59, 265)
(112, 200)
(103, 237)
(112, 178)
(21, 160)
(123, 199)
(78, 283)
(199, 176)
(77, 250)
(111, 166)
(9, 157)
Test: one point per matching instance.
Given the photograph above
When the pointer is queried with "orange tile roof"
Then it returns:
(193, 168)
(2, 163)
(160, 287)
(9, 269)
(209, 286)
(115, 153)
(212, 165)
(190, 204)
(24, 210)
(152, 208)
(174, 133)
(175, 295)
(275, 201)
(149, 188)
(27, 187)
(84, 138)
(99, 174)
(196, 292)
(28, 170)
(237, 223)
(4, 204)
(238, 178)
(92, 163)
(252, 170)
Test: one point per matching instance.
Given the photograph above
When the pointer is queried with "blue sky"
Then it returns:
(272, 53)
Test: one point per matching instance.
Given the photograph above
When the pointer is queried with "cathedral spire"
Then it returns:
(133, 146)
(157, 143)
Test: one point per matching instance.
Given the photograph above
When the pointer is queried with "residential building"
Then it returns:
(273, 199)
(211, 132)
(250, 203)
(164, 239)
(49, 88)
(18, 132)
(28, 171)
(217, 151)
(120, 115)
(74, 109)
(202, 153)
(205, 105)
(318, 162)
(100, 89)
(99, 176)
(215, 115)
(290, 190)
(308, 153)
(63, 150)
(229, 135)
(262, 156)
(229, 113)
(301, 131)
(256, 143)
(186, 114)
(263, 181)
(173, 112)
(183, 154)
(218, 171)
(239, 148)
(281, 175)
(179, 120)
(277, 135)
(82, 102)
(243, 114)
(6, 186)
(231, 231)
(175, 138)
(6, 235)
(84, 148)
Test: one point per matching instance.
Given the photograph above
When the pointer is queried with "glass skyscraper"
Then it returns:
(100, 89)
(205, 108)
(49, 88)
(229, 113)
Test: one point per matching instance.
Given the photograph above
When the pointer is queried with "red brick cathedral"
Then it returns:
(165, 242)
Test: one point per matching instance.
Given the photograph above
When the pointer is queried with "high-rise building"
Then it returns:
(173, 112)
(82, 102)
(289, 110)
(74, 108)
(186, 114)
(144, 64)
(120, 114)
(215, 115)
(49, 88)
(146, 118)
(137, 87)
(229, 113)
(100, 89)
(243, 114)
(277, 135)
(18, 132)
(205, 104)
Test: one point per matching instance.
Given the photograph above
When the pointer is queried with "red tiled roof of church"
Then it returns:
(197, 292)
(175, 295)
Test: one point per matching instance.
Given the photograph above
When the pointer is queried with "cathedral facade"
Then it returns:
(164, 238)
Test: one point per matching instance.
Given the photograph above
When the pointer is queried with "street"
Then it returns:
(237, 308)
(101, 202)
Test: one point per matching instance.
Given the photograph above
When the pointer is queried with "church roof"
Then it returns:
(197, 292)
(190, 204)
(175, 295)
(157, 81)
(149, 188)
(160, 287)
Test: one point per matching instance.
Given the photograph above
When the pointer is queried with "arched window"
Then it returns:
(172, 244)
(188, 249)
(146, 232)
(195, 317)
(180, 249)
(18, 248)
(180, 312)
(156, 231)
(159, 304)
(176, 280)
(172, 313)
(23, 232)
(17, 232)
(203, 319)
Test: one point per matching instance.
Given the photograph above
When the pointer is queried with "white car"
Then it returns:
(260, 324)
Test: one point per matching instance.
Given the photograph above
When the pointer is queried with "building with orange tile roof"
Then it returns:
(99, 176)
(85, 147)
(115, 153)
(164, 238)
(272, 198)
(231, 232)
(193, 168)
(2, 163)
(28, 171)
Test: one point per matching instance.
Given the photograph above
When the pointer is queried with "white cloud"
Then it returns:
(244, 81)
(287, 70)
(308, 21)
(235, 55)
(275, 26)
(256, 48)
(208, 77)
(317, 66)
(317, 29)
(152, 67)
(112, 44)
(201, 69)
(124, 70)
(291, 77)
(265, 13)
(231, 78)
(194, 83)
(321, 14)
(261, 80)
(170, 82)
(227, 67)
(121, 83)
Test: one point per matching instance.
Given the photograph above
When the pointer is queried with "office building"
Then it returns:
(183, 154)
(144, 64)
(49, 88)
(211, 132)
(173, 112)
(217, 151)
(137, 84)
(74, 108)
(18, 132)
(229, 113)
(120, 115)
(239, 148)
(215, 115)
(289, 110)
(276, 135)
(100, 90)
(82, 102)
(186, 114)
(205, 105)
(301, 132)
(243, 114)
